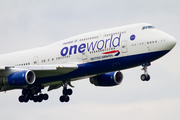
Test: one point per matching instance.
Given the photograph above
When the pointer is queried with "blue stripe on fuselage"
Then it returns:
(105, 66)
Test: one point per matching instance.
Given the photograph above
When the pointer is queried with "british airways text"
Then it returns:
(101, 44)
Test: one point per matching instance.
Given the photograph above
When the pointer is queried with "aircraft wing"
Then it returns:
(43, 70)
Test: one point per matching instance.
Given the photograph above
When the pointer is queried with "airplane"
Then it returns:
(99, 55)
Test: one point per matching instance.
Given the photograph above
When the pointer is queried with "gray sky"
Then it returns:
(29, 24)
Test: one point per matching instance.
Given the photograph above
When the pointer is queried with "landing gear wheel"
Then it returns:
(31, 97)
(35, 98)
(26, 99)
(145, 77)
(62, 98)
(45, 96)
(33, 93)
(66, 99)
(69, 91)
(21, 98)
(40, 98)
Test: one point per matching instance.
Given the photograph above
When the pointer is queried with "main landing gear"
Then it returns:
(33, 93)
(145, 76)
(66, 92)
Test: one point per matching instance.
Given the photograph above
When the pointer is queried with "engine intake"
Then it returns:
(20, 78)
(107, 79)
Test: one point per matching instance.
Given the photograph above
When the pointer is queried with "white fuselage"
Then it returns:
(99, 46)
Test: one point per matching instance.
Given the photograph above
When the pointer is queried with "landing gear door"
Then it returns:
(124, 46)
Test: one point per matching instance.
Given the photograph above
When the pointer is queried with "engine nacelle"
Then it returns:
(20, 78)
(107, 79)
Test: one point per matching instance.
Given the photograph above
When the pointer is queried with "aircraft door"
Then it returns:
(84, 57)
(36, 60)
(124, 47)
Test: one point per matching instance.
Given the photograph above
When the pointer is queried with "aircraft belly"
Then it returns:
(99, 67)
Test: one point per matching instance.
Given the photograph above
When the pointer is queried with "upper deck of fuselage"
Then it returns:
(100, 34)
(144, 32)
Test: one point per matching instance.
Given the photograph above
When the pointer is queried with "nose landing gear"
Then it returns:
(145, 76)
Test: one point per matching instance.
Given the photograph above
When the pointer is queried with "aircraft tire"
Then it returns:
(148, 77)
(35, 98)
(21, 98)
(69, 91)
(45, 96)
(26, 99)
(31, 96)
(66, 99)
(143, 77)
(65, 92)
(62, 98)
(40, 98)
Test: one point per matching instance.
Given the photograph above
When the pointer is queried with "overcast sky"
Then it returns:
(29, 24)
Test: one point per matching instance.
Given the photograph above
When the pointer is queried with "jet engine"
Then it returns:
(107, 79)
(20, 78)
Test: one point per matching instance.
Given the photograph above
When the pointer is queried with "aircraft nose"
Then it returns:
(171, 42)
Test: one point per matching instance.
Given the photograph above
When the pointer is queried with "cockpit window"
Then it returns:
(148, 27)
